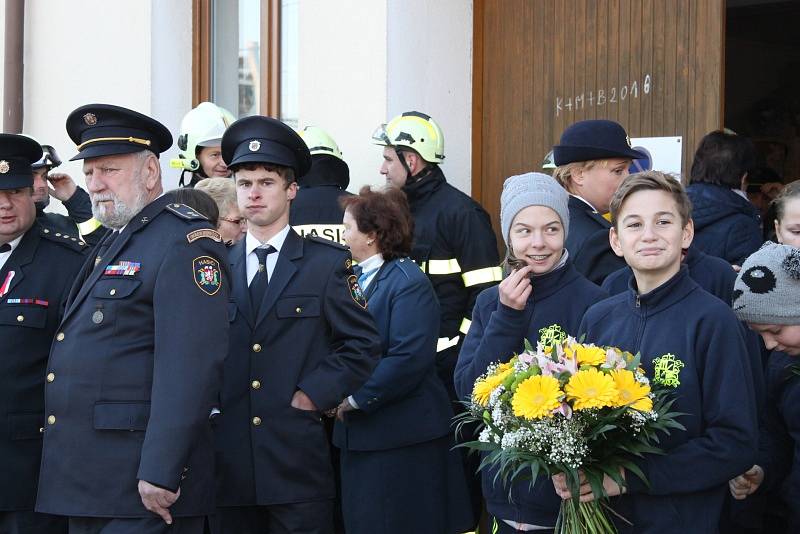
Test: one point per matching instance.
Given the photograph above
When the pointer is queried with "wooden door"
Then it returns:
(655, 66)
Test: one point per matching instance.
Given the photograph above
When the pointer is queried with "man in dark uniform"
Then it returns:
(37, 267)
(592, 159)
(75, 200)
(301, 339)
(133, 377)
(316, 210)
(453, 239)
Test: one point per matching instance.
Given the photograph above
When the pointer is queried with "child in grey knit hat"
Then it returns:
(766, 296)
(534, 219)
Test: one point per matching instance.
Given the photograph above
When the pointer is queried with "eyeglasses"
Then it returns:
(239, 222)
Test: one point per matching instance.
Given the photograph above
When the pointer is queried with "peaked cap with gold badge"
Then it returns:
(17, 154)
(259, 139)
(105, 130)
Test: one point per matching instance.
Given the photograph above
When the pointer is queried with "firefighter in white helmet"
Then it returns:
(199, 144)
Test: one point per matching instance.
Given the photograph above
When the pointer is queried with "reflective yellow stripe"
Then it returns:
(441, 266)
(333, 232)
(482, 276)
(87, 227)
(445, 343)
(465, 324)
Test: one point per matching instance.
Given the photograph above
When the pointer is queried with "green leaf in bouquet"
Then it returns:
(635, 362)
(528, 346)
(636, 470)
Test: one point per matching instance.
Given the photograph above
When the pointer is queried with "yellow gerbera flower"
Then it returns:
(589, 355)
(591, 388)
(536, 397)
(630, 392)
(483, 388)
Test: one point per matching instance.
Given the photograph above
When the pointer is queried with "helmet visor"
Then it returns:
(49, 158)
(380, 136)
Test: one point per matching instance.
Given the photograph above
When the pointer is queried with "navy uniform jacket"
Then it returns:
(310, 334)
(44, 264)
(715, 390)
(588, 242)
(136, 369)
(498, 332)
(403, 402)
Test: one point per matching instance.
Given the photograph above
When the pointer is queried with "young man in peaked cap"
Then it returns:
(37, 267)
(127, 437)
(301, 340)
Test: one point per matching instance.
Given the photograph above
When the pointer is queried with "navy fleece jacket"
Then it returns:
(687, 483)
(496, 334)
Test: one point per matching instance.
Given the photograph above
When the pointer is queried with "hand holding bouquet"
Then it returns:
(575, 411)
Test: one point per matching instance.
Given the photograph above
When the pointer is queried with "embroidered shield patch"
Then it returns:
(207, 274)
(355, 291)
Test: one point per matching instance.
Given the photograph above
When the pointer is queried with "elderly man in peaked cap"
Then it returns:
(133, 376)
(301, 340)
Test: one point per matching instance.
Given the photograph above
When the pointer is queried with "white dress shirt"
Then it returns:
(5, 255)
(252, 243)
(371, 265)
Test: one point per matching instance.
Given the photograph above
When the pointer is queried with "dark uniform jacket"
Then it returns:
(687, 484)
(403, 402)
(588, 242)
(498, 332)
(311, 333)
(79, 217)
(137, 367)
(455, 246)
(44, 265)
(315, 210)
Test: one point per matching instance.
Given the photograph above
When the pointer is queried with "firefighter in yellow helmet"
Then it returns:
(316, 210)
(199, 143)
(453, 239)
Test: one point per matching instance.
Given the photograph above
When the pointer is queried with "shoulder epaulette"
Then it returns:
(185, 212)
(74, 242)
(323, 241)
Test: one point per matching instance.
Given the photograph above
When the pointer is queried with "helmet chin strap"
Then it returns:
(411, 178)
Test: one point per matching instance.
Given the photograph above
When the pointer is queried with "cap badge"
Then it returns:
(628, 140)
(254, 146)
(4, 167)
(90, 119)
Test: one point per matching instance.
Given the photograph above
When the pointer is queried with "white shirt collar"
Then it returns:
(371, 263)
(252, 242)
(585, 202)
(14, 243)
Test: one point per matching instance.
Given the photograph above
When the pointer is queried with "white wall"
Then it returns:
(342, 77)
(132, 54)
(430, 70)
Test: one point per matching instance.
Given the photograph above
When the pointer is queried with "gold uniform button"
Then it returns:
(256, 348)
(20, 318)
(298, 309)
(256, 421)
(51, 377)
(60, 336)
(51, 419)
(255, 384)
(41, 428)
(112, 292)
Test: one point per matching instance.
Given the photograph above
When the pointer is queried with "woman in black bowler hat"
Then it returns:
(592, 159)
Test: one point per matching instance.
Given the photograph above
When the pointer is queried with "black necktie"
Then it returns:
(258, 285)
(5, 247)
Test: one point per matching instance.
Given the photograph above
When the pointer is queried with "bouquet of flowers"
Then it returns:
(570, 407)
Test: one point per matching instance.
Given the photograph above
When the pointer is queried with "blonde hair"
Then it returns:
(222, 190)
(563, 173)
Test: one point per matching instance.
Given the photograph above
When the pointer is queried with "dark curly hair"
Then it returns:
(387, 214)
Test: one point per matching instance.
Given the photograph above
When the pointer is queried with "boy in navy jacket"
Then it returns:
(674, 324)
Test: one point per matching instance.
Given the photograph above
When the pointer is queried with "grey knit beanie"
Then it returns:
(767, 289)
(532, 189)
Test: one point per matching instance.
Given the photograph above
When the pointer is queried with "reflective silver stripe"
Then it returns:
(450, 266)
(465, 324)
(445, 343)
(482, 276)
(333, 232)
